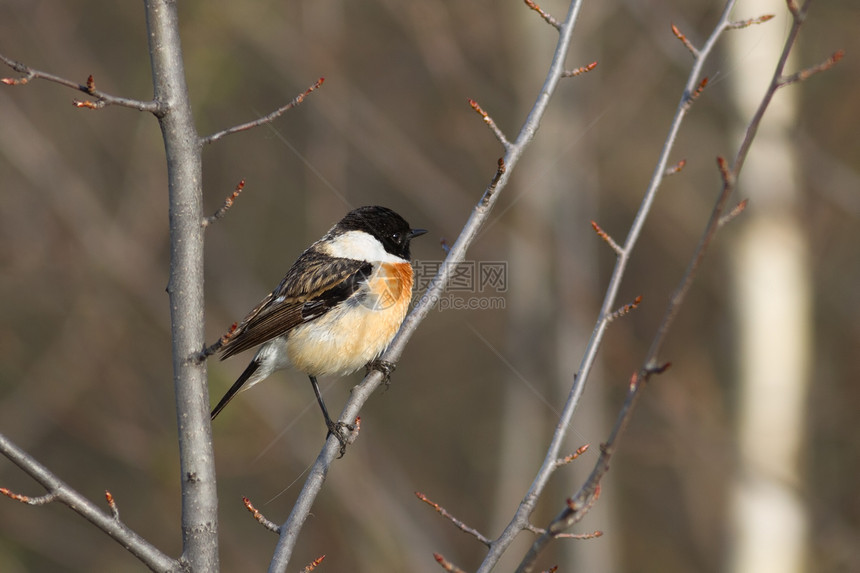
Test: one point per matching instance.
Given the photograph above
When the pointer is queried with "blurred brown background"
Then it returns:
(85, 367)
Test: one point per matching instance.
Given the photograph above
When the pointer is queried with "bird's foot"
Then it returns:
(383, 366)
(345, 434)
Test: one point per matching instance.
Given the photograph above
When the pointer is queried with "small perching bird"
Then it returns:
(336, 309)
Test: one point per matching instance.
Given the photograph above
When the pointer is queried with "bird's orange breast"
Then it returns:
(358, 330)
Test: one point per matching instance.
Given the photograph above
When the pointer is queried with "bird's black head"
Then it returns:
(388, 227)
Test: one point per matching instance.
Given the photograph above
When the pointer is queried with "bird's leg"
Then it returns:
(336, 428)
(383, 366)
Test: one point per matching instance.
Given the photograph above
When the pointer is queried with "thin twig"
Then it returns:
(569, 458)
(730, 216)
(607, 308)
(684, 40)
(805, 74)
(541, 531)
(446, 565)
(579, 71)
(102, 99)
(606, 237)
(261, 519)
(625, 310)
(265, 119)
(584, 498)
(444, 513)
(41, 500)
(228, 202)
(492, 124)
(740, 24)
(313, 564)
(548, 18)
(59, 491)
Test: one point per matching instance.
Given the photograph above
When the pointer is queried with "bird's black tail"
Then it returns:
(249, 371)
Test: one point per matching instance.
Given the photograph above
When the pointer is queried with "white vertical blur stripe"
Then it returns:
(768, 522)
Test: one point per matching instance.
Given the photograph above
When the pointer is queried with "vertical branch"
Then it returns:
(185, 287)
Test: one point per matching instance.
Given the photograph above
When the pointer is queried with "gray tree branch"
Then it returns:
(184, 174)
(360, 394)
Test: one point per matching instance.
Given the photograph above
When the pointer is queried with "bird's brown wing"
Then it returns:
(314, 284)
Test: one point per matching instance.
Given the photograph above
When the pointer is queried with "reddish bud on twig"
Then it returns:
(728, 217)
(261, 519)
(609, 240)
(699, 89)
(687, 44)
(552, 569)
(747, 23)
(624, 309)
(675, 168)
(22, 81)
(313, 564)
(114, 510)
(592, 535)
(547, 17)
(265, 119)
(445, 564)
(228, 202)
(569, 458)
(489, 121)
(579, 71)
(41, 500)
(725, 174)
(805, 74)
(87, 104)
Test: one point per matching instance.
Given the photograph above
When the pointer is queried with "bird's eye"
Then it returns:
(397, 238)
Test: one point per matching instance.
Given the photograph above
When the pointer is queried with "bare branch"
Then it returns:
(584, 498)
(540, 531)
(261, 519)
(492, 124)
(102, 99)
(228, 202)
(805, 74)
(59, 491)
(737, 25)
(567, 459)
(684, 40)
(730, 216)
(265, 119)
(447, 566)
(625, 310)
(41, 500)
(546, 16)
(462, 526)
(579, 71)
(609, 240)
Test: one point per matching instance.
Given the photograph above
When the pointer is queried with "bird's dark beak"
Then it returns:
(416, 233)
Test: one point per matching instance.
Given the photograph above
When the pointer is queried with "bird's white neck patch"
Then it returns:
(361, 246)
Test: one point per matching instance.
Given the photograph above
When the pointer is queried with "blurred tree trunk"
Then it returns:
(768, 523)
